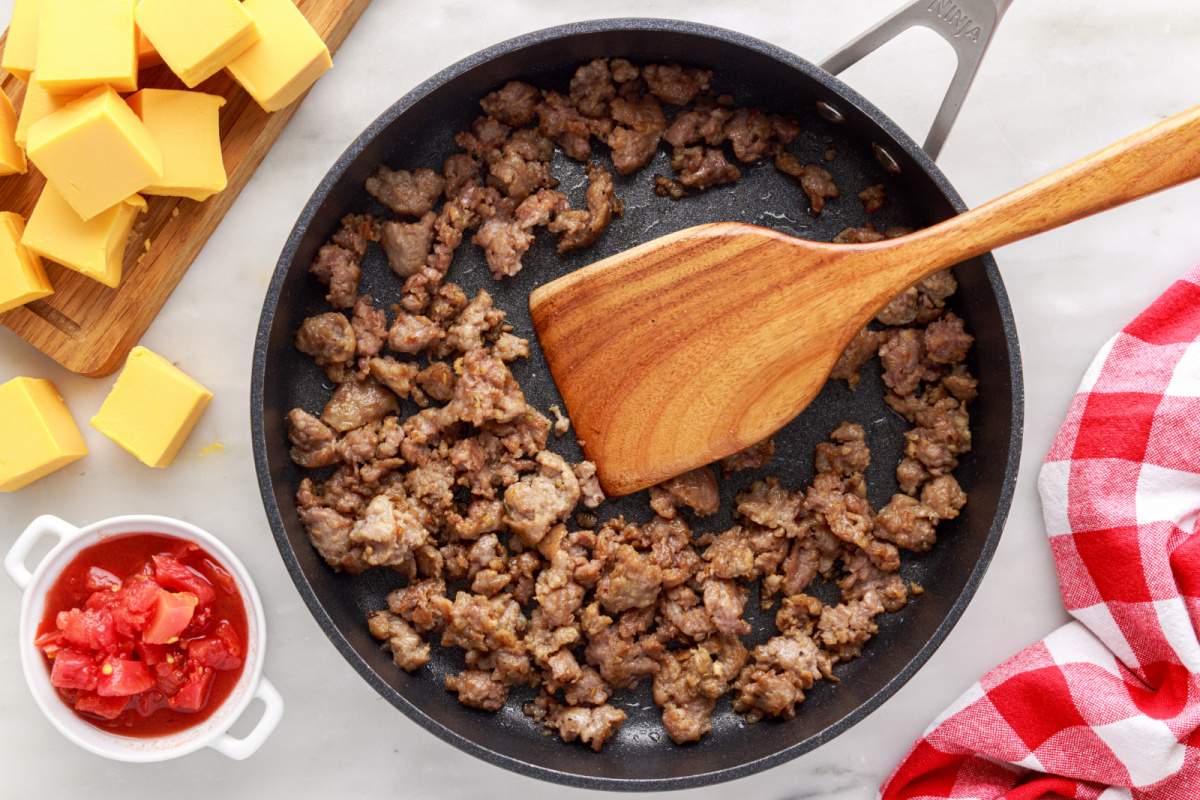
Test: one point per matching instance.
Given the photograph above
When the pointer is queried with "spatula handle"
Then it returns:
(1156, 158)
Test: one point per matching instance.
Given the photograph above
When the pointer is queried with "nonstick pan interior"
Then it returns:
(417, 132)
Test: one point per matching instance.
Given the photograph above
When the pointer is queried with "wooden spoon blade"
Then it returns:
(698, 344)
(693, 346)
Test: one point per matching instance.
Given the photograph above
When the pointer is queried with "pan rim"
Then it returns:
(271, 300)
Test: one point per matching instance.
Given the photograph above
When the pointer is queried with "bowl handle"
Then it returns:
(244, 748)
(45, 525)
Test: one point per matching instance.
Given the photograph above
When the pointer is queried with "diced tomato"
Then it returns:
(172, 614)
(101, 601)
(182, 550)
(152, 654)
(48, 638)
(73, 670)
(99, 579)
(201, 621)
(89, 629)
(170, 675)
(229, 636)
(210, 651)
(171, 573)
(140, 593)
(49, 643)
(122, 677)
(143, 634)
(103, 707)
(220, 651)
(133, 605)
(193, 695)
(221, 577)
(149, 702)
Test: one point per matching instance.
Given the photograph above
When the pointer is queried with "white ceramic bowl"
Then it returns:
(212, 732)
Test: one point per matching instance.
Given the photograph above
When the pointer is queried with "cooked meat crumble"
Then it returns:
(873, 198)
(503, 545)
(816, 181)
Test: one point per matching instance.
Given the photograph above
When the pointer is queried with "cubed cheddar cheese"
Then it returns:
(286, 61)
(95, 151)
(147, 55)
(95, 247)
(20, 46)
(12, 157)
(187, 127)
(38, 103)
(152, 408)
(86, 43)
(22, 278)
(196, 38)
(37, 433)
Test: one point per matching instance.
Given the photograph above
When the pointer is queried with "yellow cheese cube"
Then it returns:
(187, 128)
(22, 278)
(12, 157)
(83, 44)
(286, 61)
(152, 408)
(37, 433)
(95, 248)
(95, 151)
(147, 55)
(196, 38)
(38, 103)
(20, 47)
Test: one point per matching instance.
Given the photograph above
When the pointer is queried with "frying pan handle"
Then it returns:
(968, 25)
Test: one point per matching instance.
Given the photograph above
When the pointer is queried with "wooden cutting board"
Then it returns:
(90, 328)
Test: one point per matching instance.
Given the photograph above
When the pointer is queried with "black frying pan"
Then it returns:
(418, 131)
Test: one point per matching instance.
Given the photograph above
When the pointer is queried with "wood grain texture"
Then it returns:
(89, 328)
(695, 345)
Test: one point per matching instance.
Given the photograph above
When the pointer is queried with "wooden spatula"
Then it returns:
(698, 344)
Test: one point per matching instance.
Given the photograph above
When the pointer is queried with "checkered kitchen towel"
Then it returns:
(1107, 706)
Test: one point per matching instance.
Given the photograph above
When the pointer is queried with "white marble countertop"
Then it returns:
(1062, 79)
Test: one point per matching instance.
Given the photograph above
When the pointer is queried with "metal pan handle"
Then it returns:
(968, 25)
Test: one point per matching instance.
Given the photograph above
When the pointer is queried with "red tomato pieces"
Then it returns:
(141, 642)
(194, 693)
(99, 578)
(221, 577)
(90, 629)
(201, 620)
(222, 651)
(131, 606)
(103, 707)
(149, 702)
(49, 643)
(172, 613)
(123, 677)
(170, 675)
(152, 654)
(171, 573)
(73, 670)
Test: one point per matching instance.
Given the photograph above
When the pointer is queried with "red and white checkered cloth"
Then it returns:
(1108, 706)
